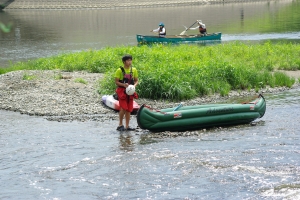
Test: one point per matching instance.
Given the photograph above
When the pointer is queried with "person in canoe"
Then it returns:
(161, 30)
(201, 27)
(125, 76)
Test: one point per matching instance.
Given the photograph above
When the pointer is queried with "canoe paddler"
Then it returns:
(201, 26)
(161, 30)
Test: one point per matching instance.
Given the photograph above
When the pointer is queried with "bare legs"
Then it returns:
(123, 112)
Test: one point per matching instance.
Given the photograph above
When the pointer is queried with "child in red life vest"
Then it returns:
(125, 76)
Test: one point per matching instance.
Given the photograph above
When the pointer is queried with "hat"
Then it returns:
(161, 24)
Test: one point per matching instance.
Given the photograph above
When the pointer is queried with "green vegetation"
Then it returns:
(28, 77)
(80, 80)
(184, 71)
(58, 76)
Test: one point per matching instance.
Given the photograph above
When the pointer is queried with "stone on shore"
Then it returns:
(58, 96)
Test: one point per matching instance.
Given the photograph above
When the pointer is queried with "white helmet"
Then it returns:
(130, 90)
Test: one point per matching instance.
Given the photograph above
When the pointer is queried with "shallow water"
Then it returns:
(43, 159)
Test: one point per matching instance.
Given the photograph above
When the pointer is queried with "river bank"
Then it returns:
(67, 98)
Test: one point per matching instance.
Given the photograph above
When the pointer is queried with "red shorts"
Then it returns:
(125, 101)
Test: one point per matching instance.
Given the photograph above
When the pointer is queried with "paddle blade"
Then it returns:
(182, 33)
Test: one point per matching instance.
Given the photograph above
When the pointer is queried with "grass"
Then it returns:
(183, 71)
(80, 80)
(28, 77)
(58, 76)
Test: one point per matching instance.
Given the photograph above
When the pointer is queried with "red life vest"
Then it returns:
(127, 78)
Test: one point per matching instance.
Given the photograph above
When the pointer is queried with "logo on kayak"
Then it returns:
(251, 107)
(177, 115)
(219, 110)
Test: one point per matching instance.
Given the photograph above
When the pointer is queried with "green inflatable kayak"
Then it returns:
(184, 118)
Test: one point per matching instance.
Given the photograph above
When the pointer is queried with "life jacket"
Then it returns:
(202, 29)
(121, 92)
(162, 34)
(127, 78)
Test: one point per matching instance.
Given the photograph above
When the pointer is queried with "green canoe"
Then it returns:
(200, 116)
(141, 39)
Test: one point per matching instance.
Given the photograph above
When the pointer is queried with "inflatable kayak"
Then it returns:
(184, 118)
(112, 103)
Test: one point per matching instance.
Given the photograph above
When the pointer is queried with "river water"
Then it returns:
(43, 159)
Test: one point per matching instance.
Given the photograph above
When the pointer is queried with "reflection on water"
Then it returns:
(43, 33)
(126, 142)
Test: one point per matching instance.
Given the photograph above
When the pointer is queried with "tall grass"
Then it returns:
(184, 71)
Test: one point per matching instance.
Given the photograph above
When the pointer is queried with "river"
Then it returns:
(44, 33)
(42, 159)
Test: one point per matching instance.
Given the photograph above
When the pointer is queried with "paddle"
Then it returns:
(183, 32)
(180, 105)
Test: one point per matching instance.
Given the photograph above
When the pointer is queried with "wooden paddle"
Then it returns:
(183, 32)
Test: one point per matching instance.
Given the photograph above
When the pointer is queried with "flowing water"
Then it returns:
(43, 159)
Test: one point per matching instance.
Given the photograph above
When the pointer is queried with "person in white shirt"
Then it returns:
(161, 30)
(201, 27)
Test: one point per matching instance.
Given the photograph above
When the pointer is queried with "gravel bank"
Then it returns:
(65, 99)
